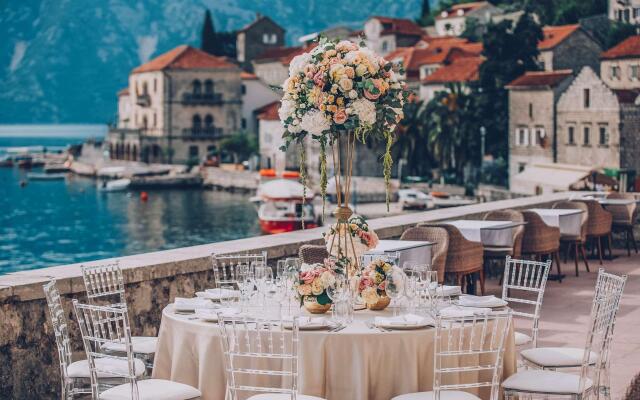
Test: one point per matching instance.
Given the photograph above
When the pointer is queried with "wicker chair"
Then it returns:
(624, 217)
(464, 257)
(502, 252)
(599, 225)
(435, 234)
(540, 239)
(311, 254)
(577, 241)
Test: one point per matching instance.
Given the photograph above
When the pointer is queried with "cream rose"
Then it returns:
(316, 287)
(346, 84)
(361, 69)
(304, 290)
(370, 295)
(328, 279)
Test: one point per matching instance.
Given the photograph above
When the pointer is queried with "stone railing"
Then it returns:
(28, 359)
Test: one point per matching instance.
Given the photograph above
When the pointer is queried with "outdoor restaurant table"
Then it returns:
(354, 363)
(489, 233)
(416, 252)
(568, 220)
(616, 202)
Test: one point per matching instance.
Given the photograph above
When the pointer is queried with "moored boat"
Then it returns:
(6, 162)
(284, 206)
(114, 186)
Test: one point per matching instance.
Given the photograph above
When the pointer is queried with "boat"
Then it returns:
(281, 207)
(6, 162)
(412, 198)
(114, 186)
(56, 167)
(24, 162)
(41, 176)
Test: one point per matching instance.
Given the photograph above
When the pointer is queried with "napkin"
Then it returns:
(307, 321)
(481, 301)
(460, 312)
(191, 304)
(445, 290)
(403, 320)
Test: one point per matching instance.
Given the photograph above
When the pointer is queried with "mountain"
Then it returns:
(62, 61)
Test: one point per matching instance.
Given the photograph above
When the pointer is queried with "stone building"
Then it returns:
(124, 109)
(452, 22)
(533, 118)
(272, 66)
(620, 65)
(182, 103)
(254, 39)
(598, 126)
(568, 47)
(384, 35)
(624, 11)
(460, 70)
(255, 95)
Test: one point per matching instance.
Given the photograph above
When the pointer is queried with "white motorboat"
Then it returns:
(412, 198)
(281, 207)
(114, 186)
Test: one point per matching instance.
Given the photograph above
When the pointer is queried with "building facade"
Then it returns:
(182, 103)
(459, 71)
(255, 95)
(533, 118)
(624, 11)
(453, 22)
(384, 35)
(254, 39)
(620, 68)
(568, 47)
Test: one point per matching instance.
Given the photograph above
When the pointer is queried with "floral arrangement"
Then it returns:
(339, 87)
(373, 280)
(362, 237)
(316, 278)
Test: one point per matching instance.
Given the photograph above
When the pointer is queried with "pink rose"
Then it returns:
(382, 285)
(371, 96)
(307, 277)
(318, 79)
(340, 117)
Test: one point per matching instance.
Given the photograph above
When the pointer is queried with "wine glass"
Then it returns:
(394, 288)
(227, 299)
(411, 289)
(431, 280)
(339, 293)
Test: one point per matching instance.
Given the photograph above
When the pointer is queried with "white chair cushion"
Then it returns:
(140, 344)
(522, 338)
(153, 389)
(80, 369)
(282, 396)
(557, 357)
(543, 381)
(444, 395)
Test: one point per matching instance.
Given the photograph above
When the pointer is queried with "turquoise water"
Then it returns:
(49, 223)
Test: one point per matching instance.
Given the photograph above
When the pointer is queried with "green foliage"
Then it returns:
(619, 31)
(426, 18)
(216, 43)
(241, 145)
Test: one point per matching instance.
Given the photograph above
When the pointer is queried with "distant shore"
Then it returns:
(81, 131)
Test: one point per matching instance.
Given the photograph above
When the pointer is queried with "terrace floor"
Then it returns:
(567, 306)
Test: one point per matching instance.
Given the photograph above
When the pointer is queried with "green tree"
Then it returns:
(426, 18)
(619, 31)
(208, 39)
(413, 142)
(240, 146)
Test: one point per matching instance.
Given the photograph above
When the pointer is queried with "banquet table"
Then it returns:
(355, 363)
(417, 252)
(568, 220)
(489, 233)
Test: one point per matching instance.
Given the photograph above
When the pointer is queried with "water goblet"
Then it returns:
(394, 288)
(339, 293)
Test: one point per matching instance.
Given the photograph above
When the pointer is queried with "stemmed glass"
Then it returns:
(339, 295)
(263, 278)
(433, 294)
(245, 284)
(411, 288)
(394, 288)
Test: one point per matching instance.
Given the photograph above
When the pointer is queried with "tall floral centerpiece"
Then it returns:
(341, 93)
(360, 238)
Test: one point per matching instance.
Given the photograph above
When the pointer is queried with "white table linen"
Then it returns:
(355, 363)
(415, 252)
(568, 220)
(489, 233)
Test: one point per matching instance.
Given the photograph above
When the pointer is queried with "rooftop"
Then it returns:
(283, 54)
(184, 57)
(247, 76)
(123, 92)
(460, 70)
(458, 10)
(627, 96)
(259, 18)
(269, 112)
(399, 26)
(630, 47)
(540, 79)
(554, 35)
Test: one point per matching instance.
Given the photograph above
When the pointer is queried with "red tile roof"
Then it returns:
(399, 26)
(460, 70)
(630, 47)
(540, 78)
(554, 35)
(269, 112)
(465, 7)
(184, 57)
(627, 96)
(283, 54)
(247, 76)
(123, 92)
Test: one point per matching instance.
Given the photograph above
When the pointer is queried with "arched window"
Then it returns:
(208, 86)
(208, 121)
(145, 89)
(134, 153)
(197, 88)
(196, 123)
(144, 122)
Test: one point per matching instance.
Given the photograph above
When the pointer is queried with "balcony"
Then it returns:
(193, 99)
(143, 100)
(202, 133)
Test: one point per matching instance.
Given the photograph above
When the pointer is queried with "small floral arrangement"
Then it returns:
(316, 278)
(339, 87)
(373, 280)
(362, 237)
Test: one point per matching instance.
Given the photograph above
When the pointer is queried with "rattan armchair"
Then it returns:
(599, 225)
(439, 237)
(624, 217)
(310, 254)
(464, 257)
(518, 232)
(540, 239)
(576, 241)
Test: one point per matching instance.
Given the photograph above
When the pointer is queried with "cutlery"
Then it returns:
(338, 328)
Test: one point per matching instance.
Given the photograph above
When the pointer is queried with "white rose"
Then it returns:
(351, 56)
(328, 279)
(287, 107)
(346, 84)
(372, 57)
(298, 63)
(365, 110)
(315, 122)
(353, 94)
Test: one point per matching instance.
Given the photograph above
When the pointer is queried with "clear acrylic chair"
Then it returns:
(593, 378)
(226, 266)
(105, 285)
(553, 358)
(524, 282)
(466, 347)
(76, 376)
(101, 326)
(261, 358)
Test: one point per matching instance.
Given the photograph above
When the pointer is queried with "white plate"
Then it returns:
(190, 305)
(309, 325)
(417, 324)
(494, 303)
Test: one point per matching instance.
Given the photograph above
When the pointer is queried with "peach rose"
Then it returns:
(340, 117)
(371, 96)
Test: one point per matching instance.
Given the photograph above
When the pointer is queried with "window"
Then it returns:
(208, 86)
(208, 121)
(197, 88)
(145, 89)
(633, 72)
(540, 134)
(585, 135)
(522, 137)
(193, 151)
(385, 46)
(587, 98)
(155, 85)
(521, 166)
(530, 110)
(274, 38)
(269, 38)
(243, 123)
(155, 120)
(265, 38)
(571, 139)
(196, 124)
(603, 135)
(614, 72)
(243, 89)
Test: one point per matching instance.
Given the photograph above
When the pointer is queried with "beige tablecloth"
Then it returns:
(355, 363)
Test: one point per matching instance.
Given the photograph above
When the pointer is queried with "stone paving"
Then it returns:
(567, 306)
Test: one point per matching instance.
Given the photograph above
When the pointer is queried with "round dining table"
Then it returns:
(357, 362)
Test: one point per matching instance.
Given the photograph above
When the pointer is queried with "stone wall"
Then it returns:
(28, 359)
